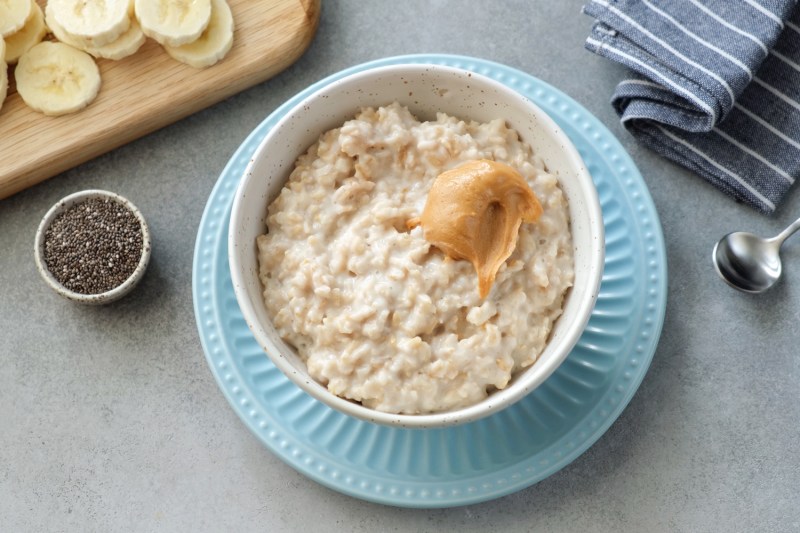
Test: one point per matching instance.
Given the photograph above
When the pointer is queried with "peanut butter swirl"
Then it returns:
(473, 212)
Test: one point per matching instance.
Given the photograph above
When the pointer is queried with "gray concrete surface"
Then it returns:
(111, 421)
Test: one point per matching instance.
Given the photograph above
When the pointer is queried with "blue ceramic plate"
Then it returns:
(489, 458)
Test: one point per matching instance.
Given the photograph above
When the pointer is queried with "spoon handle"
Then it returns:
(788, 232)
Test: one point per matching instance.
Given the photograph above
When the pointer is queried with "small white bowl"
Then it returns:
(425, 90)
(104, 297)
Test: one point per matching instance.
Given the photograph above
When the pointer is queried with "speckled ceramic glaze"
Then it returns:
(496, 455)
(425, 90)
(103, 297)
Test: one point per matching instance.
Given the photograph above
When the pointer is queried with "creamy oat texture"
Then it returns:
(379, 314)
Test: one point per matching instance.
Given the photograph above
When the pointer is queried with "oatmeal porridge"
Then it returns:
(379, 314)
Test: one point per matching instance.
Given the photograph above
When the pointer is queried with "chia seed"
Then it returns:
(94, 246)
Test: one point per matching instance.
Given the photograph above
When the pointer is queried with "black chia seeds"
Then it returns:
(94, 246)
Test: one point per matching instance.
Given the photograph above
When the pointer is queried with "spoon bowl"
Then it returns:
(748, 262)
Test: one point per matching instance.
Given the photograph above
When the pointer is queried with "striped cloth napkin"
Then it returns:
(716, 87)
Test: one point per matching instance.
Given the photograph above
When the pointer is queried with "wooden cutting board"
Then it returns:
(149, 90)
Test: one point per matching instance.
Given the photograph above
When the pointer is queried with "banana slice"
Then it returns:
(92, 22)
(31, 33)
(127, 44)
(13, 15)
(58, 31)
(56, 79)
(213, 44)
(173, 22)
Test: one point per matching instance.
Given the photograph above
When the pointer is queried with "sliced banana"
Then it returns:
(126, 44)
(13, 15)
(56, 79)
(92, 22)
(58, 31)
(173, 22)
(30, 34)
(213, 44)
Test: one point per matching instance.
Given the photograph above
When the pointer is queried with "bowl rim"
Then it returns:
(497, 400)
(102, 297)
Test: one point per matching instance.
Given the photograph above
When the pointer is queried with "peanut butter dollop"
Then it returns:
(474, 211)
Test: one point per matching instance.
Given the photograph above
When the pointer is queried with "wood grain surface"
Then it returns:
(149, 90)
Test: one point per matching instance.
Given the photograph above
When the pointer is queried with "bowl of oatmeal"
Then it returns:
(416, 245)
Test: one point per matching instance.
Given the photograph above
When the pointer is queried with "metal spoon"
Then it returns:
(748, 262)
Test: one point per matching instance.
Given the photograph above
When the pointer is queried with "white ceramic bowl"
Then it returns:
(103, 297)
(425, 89)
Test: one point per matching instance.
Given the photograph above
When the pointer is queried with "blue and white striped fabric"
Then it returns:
(716, 87)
